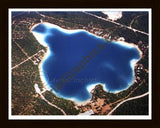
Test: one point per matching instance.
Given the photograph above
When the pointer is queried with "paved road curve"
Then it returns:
(39, 92)
(132, 98)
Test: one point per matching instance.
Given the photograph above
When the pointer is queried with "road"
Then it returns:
(134, 19)
(132, 98)
(52, 104)
(26, 59)
(135, 30)
(39, 92)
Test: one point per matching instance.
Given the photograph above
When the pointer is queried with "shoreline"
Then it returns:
(46, 55)
(134, 65)
(41, 70)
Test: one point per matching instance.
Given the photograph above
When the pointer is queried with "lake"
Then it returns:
(77, 60)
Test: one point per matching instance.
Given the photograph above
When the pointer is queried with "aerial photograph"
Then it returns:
(79, 63)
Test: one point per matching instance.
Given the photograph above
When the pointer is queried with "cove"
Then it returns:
(72, 66)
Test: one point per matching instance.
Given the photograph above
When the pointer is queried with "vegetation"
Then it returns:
(67, 105)
(141, 23)
(29, 44)
(140, 20)
(25, 101)
(100, 93)
(133, 107)
(17, 55)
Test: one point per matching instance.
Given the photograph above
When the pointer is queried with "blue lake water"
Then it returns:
(79, 60)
